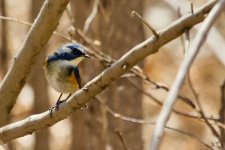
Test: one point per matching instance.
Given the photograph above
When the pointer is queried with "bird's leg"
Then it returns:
(65, 99)
(60, 101)
(56, 104)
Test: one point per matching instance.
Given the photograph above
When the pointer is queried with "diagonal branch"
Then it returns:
(37, 37)
(184, 68)
(99, 83)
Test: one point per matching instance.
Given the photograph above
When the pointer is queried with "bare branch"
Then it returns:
(91, 16)
(184, 68)
(99, 83)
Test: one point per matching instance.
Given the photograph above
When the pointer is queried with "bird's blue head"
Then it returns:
(68, 52)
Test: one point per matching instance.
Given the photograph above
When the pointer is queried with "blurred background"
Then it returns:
(123, 116)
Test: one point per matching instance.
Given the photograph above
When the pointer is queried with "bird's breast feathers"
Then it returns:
(61, 78)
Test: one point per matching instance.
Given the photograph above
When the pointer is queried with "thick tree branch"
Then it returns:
(37, 37)
(182, 72)
(99, 83)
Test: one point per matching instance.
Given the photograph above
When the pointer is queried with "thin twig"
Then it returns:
(120, 135)
(91, 16)
(15, 20)
(192, 7)
(161, 104)
(181, 37)
(117, 115)
(184, 68)
(136, 14)
(201, 112)
(30, 24)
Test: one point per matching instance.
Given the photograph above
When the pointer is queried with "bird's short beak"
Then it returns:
(87, 56)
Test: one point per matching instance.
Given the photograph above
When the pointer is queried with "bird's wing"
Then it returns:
(77, 75)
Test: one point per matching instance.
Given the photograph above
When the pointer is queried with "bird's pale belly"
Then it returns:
(62, 82)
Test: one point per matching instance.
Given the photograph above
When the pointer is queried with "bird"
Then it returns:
(61, 70)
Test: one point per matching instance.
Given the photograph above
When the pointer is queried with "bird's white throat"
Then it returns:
(76, 61)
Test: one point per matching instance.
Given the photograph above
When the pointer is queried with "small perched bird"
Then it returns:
(61, 70)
